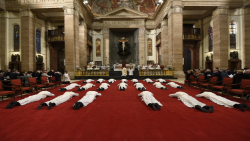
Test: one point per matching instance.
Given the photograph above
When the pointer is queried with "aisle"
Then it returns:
(121, 115)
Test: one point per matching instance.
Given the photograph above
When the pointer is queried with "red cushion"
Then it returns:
(51, 83)
(6, 92)
(193, 82)
(40, 86)
(238, 91)
(204, 84)
(187, 80)
(218, 87)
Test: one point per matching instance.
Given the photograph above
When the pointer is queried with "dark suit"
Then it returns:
(237, 79)
(6, 74)
(217, 74)
(57, 76)
(51, 73)
(206, 73)
(230, 72)
(247, 76)
(13, 75)
(223, 75)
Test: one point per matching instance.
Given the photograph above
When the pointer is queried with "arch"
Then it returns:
(38, 41)
(16, 37)
(232, 34)
(210, 39)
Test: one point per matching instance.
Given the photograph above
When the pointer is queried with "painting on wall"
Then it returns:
(104, 6)
(98, 47)
(150, 49)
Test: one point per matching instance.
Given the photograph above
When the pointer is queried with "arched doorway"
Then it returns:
(60, 60)
(187, 59)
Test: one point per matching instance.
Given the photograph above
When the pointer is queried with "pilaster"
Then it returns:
(106, 46)
(175, 36)
(142, 51)
(220, 38)
(246, 35)
(83, 44)
(28, 48)
(164, 43)
(3, 40)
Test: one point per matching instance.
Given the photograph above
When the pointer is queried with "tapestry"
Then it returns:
(150, 49)
(98, 47)
(104, 6)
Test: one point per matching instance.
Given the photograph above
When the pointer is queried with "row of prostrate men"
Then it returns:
(146, 96)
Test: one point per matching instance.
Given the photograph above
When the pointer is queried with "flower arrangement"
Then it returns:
(169, 67)
(78, 68)
(89, 68)
(96, 68)
(139, 67)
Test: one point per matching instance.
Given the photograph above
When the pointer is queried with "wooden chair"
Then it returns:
(211, 82)
(17, 86)
(244, 88)
(53, 80)
(188, 81)
(2, 92)
(33, 84)
(225, 85)
(198, 81)
(44, 81)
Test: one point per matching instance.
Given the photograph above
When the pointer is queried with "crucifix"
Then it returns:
(123, 44)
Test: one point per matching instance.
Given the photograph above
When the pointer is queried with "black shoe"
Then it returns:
(98, 89)
(9, 105)
(211, 109)
(102, 89)
(79, 105)
(246, 106)
(41, 105)
(84, 82)
(51, 105)
(78, 89)
(183, 88)
(139, 89)
(158, 107)
(60, 89)
(198, 107)
(74, 107)
(83, 89)
(166, 88)
(161, 87)
(153, 106)
(178, 87)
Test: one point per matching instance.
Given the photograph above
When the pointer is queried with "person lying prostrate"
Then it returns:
(88, 81)
(150, 100)
(85, 87)
(162, 80)
(84, 101)
(148, 80)
(134, 80)
(69, 87)
(191, 102)
(124, 81)
(104, 86)
(122, 86)
(100, 80)
(111, 80)
(140, 86)
(174, 85)
(159, 85)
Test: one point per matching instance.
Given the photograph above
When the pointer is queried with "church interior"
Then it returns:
(149, 69)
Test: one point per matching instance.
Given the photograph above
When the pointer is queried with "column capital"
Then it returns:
(246, 11)
(4, 14)
(175, 9)
(26, 13)
(71, 11)
(164, 22)
(105, 30)
(221, 10)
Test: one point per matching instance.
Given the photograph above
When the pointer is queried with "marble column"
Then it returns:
(220, 38)
(175, 36)
(71, 25)
(142, 50)
(164, 43)
(106, 46)
(3, 40)
(28, 46)
(83, 44)
(246, 35)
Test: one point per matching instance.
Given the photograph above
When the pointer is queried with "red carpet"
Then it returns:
(121, 115)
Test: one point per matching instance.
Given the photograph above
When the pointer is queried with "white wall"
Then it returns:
(97, 34)
(151, 34)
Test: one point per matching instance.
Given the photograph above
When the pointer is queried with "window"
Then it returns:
(210, 36)
(38, 41)
(232, 33)
(150, 49)
(16, 38)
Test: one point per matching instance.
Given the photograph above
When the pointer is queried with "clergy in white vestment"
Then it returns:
(69, 87)
(85, 87)
(174, 85)
(150, 100)
(223, 101)
(159, 85)
(148, 80)
(103, 86)
(100, 80)
(191, 102)
(124, 72)
(84, 101)
(140, 86)
(27, 100)
(58, 100)
(134, 80)
(111, 80)
(162, 80)
(130, 72)
(88, 81)
(122, 86)
(66, 77)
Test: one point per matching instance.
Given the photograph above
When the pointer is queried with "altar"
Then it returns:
(118, 67)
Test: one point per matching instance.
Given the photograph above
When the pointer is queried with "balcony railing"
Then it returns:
(191, 33)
